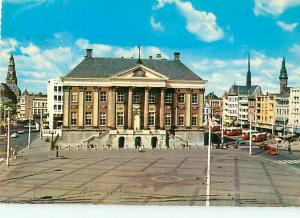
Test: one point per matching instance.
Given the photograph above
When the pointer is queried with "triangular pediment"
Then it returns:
(140, 72)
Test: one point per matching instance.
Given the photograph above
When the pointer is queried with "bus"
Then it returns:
(233, 131)
(259, 137)
(246, 134)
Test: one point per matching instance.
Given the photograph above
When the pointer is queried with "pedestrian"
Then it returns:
(289, 148)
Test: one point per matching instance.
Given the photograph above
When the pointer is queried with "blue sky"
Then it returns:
(48, 37)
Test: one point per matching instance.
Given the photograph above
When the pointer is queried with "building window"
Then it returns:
(59, 107)
(73, 119)
(55, 97)
(151, 97)
(136, 97)
(88, 96)
(55, 107)
(74, 97)
(120, 97)
(151, 119)
(59, 98)
(88, 118)
(55, 88)
(103, 97)
(194, 98)
(120, 119)
(181, 98)
(194, 120)
(168, 98)
(181, 119)
(168, 119)
(102, 119)
(59, 88)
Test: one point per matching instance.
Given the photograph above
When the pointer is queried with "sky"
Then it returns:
(49, 37)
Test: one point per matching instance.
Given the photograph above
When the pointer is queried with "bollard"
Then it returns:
(102, 147)
(173, 147)
(56, 148)
(69, 147)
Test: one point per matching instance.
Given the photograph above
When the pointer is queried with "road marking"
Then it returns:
(285, 162)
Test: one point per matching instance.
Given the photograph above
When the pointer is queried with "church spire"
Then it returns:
(248, 79)
(11, 77)
(283, 78)
(283, 71)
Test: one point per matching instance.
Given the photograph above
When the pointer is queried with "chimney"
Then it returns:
(158, 56)
(89, 52)
(176, 56)
(150, 57)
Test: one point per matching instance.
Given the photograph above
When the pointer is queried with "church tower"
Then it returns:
(248, 79)
(283, 78)
(11, 77)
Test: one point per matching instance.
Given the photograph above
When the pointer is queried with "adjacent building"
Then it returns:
(123, 102)
(31, 106)
(213, 107)
(55, 103)
(294, 107)
(238, 99)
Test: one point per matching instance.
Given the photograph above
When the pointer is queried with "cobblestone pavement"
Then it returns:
(153, 177)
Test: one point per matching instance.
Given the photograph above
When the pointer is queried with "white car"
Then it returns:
(14, 135)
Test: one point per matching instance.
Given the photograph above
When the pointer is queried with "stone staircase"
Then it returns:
(101, 139)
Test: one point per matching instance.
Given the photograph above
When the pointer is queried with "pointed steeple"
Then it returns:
(11, 77)
(139, 60)
(283, 71)
(248, 79)
(283, 78)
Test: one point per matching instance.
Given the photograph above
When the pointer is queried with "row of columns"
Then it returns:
(111, 115)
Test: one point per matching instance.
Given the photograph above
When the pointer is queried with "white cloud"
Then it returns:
(286, 26)
(156, 25)
(201, 23)
(295, 49)
(273, 7)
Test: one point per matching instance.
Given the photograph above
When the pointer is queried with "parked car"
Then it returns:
(14, 135)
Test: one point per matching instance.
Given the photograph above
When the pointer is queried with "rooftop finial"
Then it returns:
(139, 60)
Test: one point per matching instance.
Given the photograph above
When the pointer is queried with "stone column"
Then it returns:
(96, 109)
(146, 108)
(188, 110)
(162, 109)
(81, 109)
(200, 109)
(112, 107)
(66, 120)
(130, 108)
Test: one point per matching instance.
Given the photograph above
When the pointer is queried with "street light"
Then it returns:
(29, 126)
(41, 120)
(250, 135)
(8, 109)
(208, 161)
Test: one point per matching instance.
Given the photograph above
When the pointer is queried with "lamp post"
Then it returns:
(0, 120)
(8, 135)
(208, 162)
(41, 121)
(29, 127)
(52, 146)
(250, 140)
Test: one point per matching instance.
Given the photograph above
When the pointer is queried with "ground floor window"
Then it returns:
(151, 119)
(194, 120)
(102, 119)
(181, 119)
(168, 119)
(88, 118)
(73, 119)
(120, 119)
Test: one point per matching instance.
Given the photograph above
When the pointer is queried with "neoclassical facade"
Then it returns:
(130, 102)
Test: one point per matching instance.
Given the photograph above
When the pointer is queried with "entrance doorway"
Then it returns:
(154, 142)
(137, 142)
(121, 142)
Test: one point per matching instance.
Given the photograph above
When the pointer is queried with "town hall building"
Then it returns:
(126, 103)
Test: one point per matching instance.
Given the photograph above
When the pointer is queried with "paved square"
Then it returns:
(153, 177)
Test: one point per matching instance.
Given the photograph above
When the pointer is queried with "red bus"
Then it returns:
(259, 137)
(233, 131)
